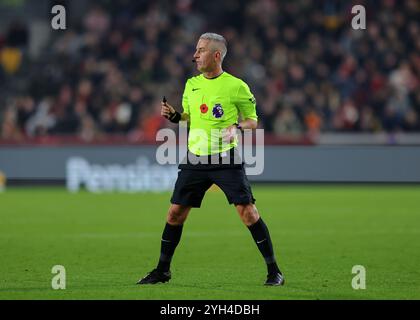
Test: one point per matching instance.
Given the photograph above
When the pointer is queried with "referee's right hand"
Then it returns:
(166, 110)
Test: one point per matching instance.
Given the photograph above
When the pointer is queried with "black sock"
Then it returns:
(170, 239)
(262, 239)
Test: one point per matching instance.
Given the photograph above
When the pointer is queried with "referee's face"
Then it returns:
(205, 56)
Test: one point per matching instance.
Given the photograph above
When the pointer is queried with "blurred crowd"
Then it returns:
(309, 70)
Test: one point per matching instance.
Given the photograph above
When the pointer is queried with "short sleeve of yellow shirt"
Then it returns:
(245, 102)
(185, 105)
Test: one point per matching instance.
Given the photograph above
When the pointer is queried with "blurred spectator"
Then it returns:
(9, 128)
(42, 120)
(10, 59)
(17, 35)
(287, 123)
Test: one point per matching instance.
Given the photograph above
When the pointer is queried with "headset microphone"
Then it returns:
(193, 60)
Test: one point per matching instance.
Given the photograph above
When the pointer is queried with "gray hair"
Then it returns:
(219, 39)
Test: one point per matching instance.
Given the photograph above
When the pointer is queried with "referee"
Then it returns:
(212, 103)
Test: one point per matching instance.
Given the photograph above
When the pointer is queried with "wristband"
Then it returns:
(239, 126)
(175, 117)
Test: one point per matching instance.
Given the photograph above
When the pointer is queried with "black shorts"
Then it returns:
(191, 186)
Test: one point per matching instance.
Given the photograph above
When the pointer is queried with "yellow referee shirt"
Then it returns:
(212, 105)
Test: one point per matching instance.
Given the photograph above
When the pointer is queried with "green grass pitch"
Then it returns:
(106, 242)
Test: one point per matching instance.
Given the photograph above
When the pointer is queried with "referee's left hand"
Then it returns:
(229, 134)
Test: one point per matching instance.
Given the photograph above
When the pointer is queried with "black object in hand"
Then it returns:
(164, 101)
